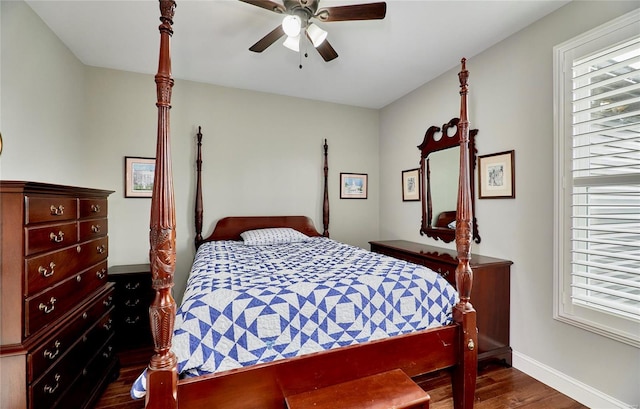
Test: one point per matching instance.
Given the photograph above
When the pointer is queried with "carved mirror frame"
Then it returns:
(437, 139)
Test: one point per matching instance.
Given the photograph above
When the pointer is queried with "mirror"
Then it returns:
(439, 171)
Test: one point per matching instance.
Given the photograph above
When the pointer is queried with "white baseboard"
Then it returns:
(573, 388)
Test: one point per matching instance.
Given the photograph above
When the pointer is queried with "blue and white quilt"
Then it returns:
(252, 304)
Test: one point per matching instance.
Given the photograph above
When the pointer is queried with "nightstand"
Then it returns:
(133, 296)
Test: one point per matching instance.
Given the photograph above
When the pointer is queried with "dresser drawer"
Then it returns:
(52, 385)
(90, 229)
(59, 343)
(445, 270)
(132, 286)
(93, 208)
(50, 237)
(40, 209)
(48, 269)
(92, 379)
(133, 321)
(48, 306)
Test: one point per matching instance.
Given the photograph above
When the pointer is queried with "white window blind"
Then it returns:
(598, 208)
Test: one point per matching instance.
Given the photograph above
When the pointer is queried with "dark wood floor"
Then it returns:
(497, 387)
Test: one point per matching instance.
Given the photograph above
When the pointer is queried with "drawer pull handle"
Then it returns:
(107, 325)
(56, 238)
(101, 274)
(95, 208)
(107, 353)
(128, 320)
(95, 228)
(57, 211)
(46, 308)
(130, 286)
(46, 273)
(133, 303)
(107, 302)
(85, 315)
(51, 389)
(101, 249)
(51, 355)
(78, 278)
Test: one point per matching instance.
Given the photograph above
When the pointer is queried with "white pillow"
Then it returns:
(279, 235)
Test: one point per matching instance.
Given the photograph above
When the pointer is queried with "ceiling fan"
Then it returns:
(297, 20)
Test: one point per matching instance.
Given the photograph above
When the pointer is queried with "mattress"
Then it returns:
(248, 304)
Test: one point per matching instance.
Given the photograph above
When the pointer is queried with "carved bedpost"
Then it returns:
(162, 377)
(465, 373)
(199, 208)
(464, 214)
(426, 223)
(325, 202)
(426, 192)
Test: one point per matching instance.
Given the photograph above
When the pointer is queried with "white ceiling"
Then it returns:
(379, 61)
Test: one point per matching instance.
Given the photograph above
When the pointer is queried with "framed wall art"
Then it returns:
(411, 187)
(353, 185)
(496, 175)
(138, 176)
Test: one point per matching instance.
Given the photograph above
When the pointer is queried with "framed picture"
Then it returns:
(411, 187)
(353, 185)
(496, 175)
(138, 176)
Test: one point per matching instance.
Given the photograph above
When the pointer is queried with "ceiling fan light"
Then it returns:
(292, 43)
(291, 25)
(316, 34)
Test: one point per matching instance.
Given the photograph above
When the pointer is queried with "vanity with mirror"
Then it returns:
(439, 167)
(490, 294)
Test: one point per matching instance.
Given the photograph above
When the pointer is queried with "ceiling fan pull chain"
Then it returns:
(306, 54)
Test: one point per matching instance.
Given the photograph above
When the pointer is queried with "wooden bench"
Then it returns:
(386, 390)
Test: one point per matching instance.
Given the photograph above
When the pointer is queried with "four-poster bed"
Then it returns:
(268, 384)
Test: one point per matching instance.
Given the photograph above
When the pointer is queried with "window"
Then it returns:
(597, 180)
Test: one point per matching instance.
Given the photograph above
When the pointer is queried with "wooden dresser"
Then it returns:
(489, 295)
(56, 339)
(133, 296)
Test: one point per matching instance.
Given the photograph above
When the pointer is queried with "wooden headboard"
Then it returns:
(229, 228)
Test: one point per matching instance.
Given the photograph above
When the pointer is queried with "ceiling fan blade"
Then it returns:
(370, 11)
(267, 4)
(326, 51)
(267, 40)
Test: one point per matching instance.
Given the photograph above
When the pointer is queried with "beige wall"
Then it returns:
(511, 103)
(262, 155)
(42, 87)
